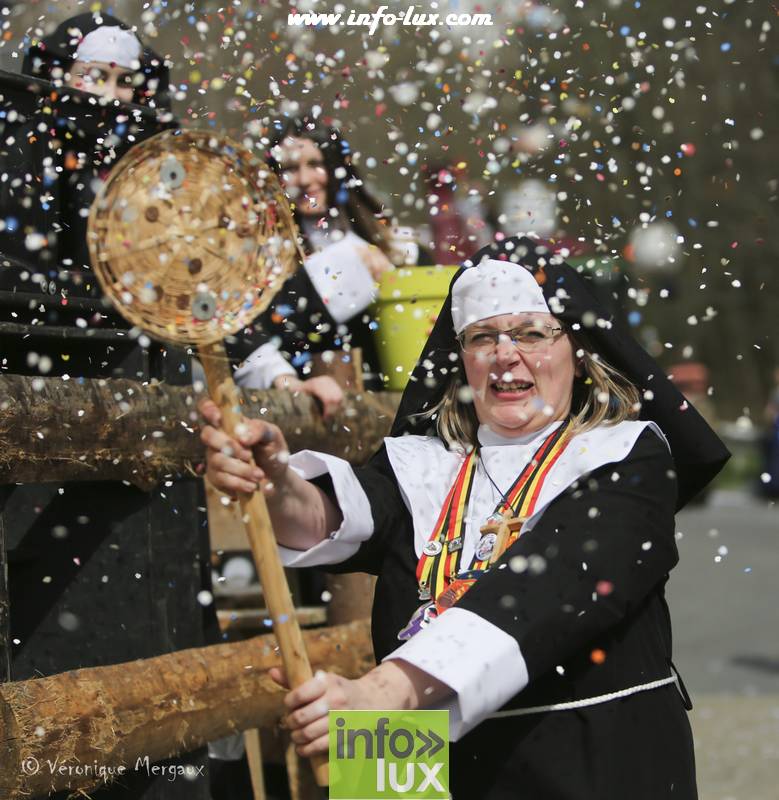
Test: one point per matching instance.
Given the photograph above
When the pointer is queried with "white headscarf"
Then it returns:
(111, 45)
(491, 288)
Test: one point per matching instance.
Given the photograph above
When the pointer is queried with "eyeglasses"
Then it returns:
(531, 338)
(98, 76)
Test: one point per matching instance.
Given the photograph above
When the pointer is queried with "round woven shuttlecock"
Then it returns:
(191, 236)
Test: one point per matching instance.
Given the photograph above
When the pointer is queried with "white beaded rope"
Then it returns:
(585, 701)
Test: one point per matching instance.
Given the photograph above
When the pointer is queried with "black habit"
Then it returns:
(595, 652)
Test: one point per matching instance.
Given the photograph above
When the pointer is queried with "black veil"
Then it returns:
(698, 452)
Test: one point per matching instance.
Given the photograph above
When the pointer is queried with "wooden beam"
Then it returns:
(110, 717)
(251, 741)
(52, 429)
(252, 620)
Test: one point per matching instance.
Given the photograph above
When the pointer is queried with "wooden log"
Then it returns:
(252, 620)
(228, 596)
(52, 429)
(56, 732)
(351, 597)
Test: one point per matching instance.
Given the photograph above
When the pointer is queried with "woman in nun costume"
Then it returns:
(59, 148)
(520, 519)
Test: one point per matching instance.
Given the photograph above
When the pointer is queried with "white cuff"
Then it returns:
(262, 367)
(341, 279)
(476, 659)
(357, 525)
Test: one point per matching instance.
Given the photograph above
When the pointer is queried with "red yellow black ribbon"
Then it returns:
(439, 564)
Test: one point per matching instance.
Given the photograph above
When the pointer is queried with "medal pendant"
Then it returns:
(485, 546)
(453, 593)
(432, 548)
(419, 619)
(455, 544)
(424, 593)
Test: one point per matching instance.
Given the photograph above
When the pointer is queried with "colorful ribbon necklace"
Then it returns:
(441, 581)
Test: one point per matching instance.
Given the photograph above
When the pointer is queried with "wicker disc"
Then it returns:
(191, 236)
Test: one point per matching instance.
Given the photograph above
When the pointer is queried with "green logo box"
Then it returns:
(389, 754)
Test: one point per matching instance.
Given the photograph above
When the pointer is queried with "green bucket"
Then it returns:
(407, 307)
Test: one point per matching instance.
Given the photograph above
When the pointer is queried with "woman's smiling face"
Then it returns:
(304, 175)
(514, 392)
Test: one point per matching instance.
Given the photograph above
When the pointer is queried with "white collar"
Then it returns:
(487, 437)
(425, 469)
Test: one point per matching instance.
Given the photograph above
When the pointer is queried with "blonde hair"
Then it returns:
(602, 396)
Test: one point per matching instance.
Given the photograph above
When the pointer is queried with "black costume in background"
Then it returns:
(99, 572)
(297, 312)
(56, 143)
(638, 746)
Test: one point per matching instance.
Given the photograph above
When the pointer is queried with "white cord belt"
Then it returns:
(585, 701)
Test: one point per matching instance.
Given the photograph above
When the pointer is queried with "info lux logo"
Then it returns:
(389, 754)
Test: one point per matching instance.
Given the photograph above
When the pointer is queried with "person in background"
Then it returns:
(321, 315)
(103, 554)
(520, 518)
(461, 224)
(100, 54)
(51, 157)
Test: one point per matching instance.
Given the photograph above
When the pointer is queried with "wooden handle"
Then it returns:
(262, 541)
(253, 747)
